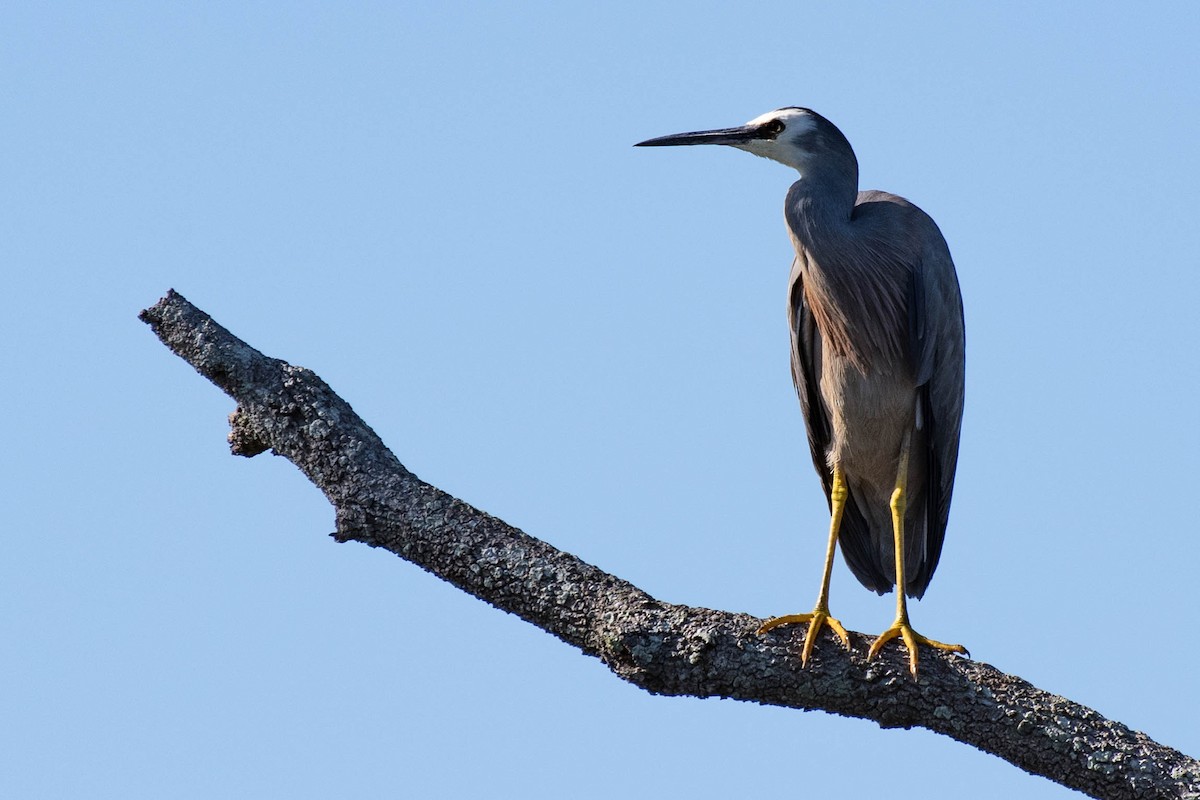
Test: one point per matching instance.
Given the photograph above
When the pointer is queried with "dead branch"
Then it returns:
(663, 648)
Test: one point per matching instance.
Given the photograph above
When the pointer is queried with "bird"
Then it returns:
(878, 361)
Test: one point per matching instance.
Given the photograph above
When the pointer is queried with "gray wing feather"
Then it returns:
(937, 346)
(806, 352)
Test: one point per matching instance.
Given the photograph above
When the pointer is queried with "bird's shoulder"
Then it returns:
(875, 204)
(880, 196)
(896, 223)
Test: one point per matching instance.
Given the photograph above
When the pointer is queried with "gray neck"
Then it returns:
(819, 206)
(856, 297)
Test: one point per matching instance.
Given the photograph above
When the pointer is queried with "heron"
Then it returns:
(877, 350)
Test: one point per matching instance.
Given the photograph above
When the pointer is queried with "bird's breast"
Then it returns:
(869, 412)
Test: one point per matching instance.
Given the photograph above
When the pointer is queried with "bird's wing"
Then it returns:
(854, 534)
(806, 370)
(936, 345)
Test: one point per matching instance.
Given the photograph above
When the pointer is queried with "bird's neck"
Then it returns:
(818, 211)
(844, 279)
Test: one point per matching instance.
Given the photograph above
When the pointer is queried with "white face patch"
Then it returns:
(797, 121)
(783, 148)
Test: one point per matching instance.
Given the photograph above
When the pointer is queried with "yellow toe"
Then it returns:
(912, 640)
(818, 619)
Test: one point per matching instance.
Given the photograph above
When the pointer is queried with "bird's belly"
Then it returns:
(870, 414)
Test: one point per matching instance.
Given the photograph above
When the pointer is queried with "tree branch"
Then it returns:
(663, 648)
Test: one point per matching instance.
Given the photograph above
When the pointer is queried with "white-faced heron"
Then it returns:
(877, 358)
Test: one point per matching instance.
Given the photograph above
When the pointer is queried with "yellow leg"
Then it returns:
(819, 617)
(901, 626)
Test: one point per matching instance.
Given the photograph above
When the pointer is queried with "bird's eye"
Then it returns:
(773, 128)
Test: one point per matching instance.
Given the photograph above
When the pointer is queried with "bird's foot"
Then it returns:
(912, 639)
(818, 619)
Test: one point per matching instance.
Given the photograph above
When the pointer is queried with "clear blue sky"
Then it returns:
(440, 212)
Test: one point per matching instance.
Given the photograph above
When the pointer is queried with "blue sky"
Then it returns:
(438, 209)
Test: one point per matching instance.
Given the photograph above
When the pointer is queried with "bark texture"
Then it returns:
(664, 648)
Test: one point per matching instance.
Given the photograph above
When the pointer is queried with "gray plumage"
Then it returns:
(877, 344)
(877, 350)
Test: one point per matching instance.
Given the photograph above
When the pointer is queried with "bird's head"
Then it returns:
(796, 137)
